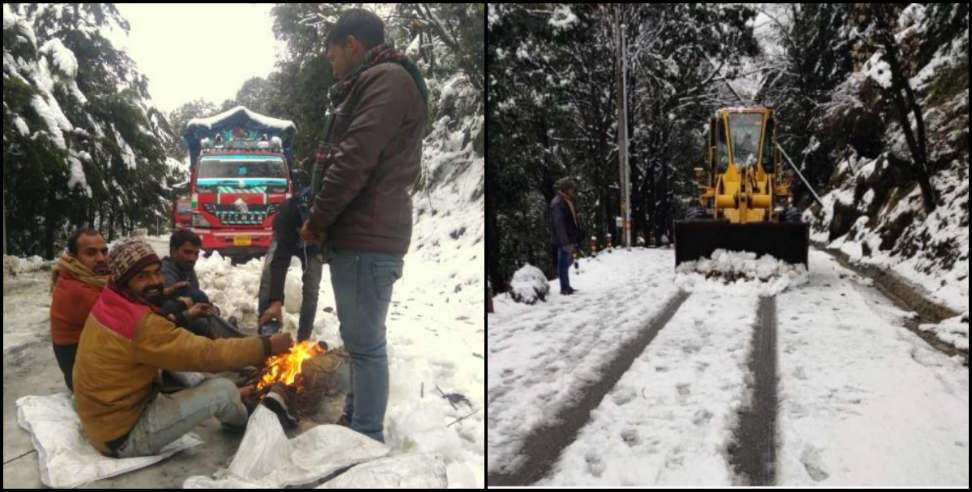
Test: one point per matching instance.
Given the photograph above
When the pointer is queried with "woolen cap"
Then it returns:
(128, 258)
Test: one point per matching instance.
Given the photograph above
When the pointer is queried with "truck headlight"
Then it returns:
(199, 221)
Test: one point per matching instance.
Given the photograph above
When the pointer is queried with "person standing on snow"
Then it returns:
(564, 231)
(285, 245)
(76, 282)
(362, 212)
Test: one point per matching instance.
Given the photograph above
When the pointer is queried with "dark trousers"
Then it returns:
(65, 360)
(563, 266)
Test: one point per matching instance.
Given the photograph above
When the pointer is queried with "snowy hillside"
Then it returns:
(875, 211)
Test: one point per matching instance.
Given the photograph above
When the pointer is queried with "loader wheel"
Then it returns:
(792, 214)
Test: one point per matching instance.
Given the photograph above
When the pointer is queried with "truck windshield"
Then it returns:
(233, 168)
(745, 129)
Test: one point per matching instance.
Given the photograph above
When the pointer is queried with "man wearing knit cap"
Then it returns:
(123, 347)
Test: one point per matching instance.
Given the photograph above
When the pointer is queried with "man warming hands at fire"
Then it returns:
(124, 344)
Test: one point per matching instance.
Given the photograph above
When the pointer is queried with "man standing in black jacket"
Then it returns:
(285, 245)
(564, 231)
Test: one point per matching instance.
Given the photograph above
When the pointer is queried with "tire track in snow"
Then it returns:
(753, 454)
(543, 445)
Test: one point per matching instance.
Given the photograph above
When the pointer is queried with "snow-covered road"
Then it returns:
(861, 399)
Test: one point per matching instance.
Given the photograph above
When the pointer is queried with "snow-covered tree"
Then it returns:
(82, 143)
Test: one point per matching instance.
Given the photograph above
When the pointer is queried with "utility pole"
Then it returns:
(621, 72)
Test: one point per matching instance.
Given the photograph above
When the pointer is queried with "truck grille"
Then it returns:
(231, 215)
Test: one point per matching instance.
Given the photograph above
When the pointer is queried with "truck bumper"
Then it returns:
(233, 243)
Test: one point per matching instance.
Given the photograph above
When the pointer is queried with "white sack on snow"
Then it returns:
(409, 471)
(266, 458)
(65, 457)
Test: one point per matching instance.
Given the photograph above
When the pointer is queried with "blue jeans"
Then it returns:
(169, 416)
(563, 267)
(311, 284)
(362, 284)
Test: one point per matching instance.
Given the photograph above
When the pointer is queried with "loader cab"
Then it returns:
(743, 137)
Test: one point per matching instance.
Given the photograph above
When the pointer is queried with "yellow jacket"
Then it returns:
(123, 346)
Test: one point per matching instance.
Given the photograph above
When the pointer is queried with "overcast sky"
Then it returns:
(191, 51)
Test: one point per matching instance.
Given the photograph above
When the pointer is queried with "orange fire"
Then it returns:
(285, 367)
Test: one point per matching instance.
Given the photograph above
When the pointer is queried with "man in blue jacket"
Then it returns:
(564, 230)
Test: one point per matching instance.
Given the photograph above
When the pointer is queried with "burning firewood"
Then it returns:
(300, 378)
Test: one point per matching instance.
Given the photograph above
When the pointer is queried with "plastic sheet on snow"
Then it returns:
(411, 471)
(65, 457)
(266, 458)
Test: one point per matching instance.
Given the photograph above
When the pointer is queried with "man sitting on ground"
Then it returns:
(76, 283)
(178, 269)
(123, 346)
(185, 303)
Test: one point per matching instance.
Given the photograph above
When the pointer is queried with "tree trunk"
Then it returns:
(49, 225)
(492, 237)
(916, 144)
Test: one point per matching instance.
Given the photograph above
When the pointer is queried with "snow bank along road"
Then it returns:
(632, 382)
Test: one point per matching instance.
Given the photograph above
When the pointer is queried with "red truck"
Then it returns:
(241, 171)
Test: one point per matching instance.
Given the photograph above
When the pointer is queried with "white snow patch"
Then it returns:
(562, 17)
(259, 118)
(954, 331)
(413, 47)
(740, 271)
(21, 126)
(50, 117)
(77, 175)
(63, 58)
(529, 284)
(879, 70)
(127, 155)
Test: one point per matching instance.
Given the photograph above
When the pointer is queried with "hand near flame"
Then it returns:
(280, 343)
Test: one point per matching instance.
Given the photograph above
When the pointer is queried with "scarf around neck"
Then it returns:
(77, 270)
(382, 53)
(570, 205)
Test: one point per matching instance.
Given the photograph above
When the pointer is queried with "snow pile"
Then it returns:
(741, 270)
(13, 265)
(954, 331)
(528, 285)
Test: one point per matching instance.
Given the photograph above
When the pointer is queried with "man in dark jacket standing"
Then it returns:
(285, 245)
(564, 231)
(362, 211)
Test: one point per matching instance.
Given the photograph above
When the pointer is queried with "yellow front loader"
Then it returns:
(744, 199)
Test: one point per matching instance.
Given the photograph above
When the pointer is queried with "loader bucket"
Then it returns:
(787, 241)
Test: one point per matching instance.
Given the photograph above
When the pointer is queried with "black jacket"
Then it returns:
(563, 229)
(286, 230)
